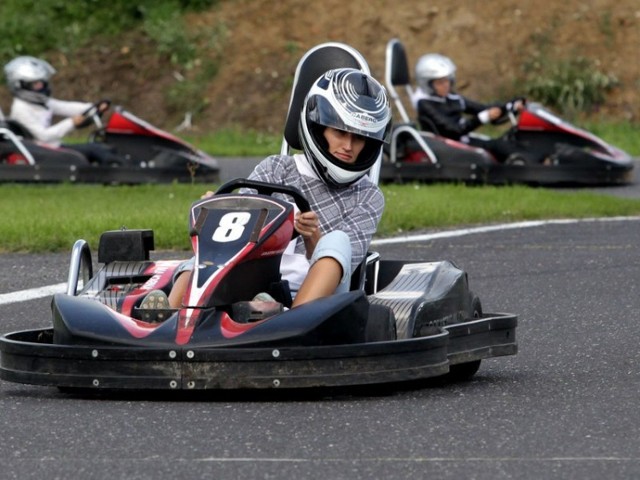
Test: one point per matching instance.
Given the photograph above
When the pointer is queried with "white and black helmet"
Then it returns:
(432, 66)
(346, 99)
(22, 72)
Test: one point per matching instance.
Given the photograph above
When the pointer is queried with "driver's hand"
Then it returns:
(103, 106)
(307, 224)
(495, 113)
(79, 121)
(207, 194)
(518, 105)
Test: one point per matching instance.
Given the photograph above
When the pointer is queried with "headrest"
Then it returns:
(397, 62)
(312, 65)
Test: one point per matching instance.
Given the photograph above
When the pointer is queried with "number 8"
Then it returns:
(231, 226)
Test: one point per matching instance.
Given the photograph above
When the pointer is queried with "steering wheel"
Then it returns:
(265, 188)
(93, 114)
(511, 111)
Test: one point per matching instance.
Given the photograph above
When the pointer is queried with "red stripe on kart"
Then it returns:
(137, 328)
(230, 329)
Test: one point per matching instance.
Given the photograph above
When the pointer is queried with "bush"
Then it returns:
(33, 27)
(570, 86)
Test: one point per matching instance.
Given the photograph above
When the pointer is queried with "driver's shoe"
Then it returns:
(155, 307)
(260, 307)
(263, 297)
(516, 159)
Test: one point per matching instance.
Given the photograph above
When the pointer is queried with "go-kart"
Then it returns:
(138, 153)
(401, 321)
(566, 154)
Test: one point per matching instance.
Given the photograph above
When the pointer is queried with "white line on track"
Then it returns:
(493, 228)
(31, 294)
(418, 460)
(35, 293)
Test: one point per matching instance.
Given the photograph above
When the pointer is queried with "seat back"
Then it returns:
(397, 75)
(18, 128)
(12, 142)
(11, 135)
(311, 66)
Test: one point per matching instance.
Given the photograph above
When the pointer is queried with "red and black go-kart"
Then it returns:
(568, 155)
(401, 321)
(139, 153)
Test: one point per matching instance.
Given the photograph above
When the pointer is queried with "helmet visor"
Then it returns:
(351, 102)
(356, 122)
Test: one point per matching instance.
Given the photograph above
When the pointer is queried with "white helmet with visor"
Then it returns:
(349, 100)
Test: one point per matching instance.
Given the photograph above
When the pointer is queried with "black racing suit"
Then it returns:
(454, 116)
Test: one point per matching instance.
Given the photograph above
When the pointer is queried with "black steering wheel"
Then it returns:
(94, 113)
(265, 188)
(511, 112)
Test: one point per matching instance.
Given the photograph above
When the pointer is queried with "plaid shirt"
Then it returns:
(356, 210)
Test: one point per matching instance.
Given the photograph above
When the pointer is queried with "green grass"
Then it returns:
(50, 218)
(237, 143)
(419, 206)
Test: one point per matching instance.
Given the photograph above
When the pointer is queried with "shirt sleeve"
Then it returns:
(37, 118)
(265, 171)
(361, 223)
(434, 118)
(63, 108)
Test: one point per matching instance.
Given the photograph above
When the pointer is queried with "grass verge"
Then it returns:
(50, 218)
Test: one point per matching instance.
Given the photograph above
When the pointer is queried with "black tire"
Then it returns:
(516, 160)
(381, 324)
(464, 371)
(476, 307)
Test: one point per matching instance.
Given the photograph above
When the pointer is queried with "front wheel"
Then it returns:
(464, 371)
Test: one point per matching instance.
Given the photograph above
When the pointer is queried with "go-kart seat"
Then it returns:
(362, 275)
(18, 129)
(11, 142)
(396, 74)
(314, 63)
(381, 320)
(405, 136)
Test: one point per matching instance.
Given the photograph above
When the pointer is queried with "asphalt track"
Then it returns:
(564, 407)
